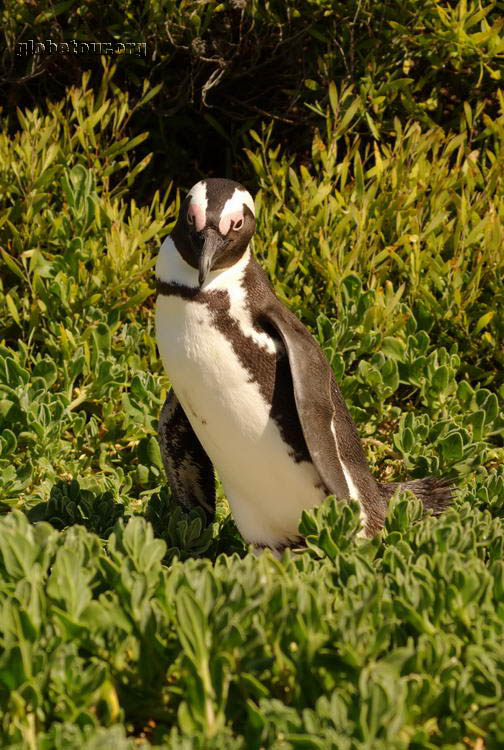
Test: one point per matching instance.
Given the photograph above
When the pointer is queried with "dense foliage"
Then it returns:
(225, 66)
(387, 644)
(126, 622)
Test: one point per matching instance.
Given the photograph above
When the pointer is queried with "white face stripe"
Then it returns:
(199, 203)
(233, 209)
(225, 222)
(235, 203)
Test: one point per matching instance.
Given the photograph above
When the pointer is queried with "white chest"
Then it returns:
(266, 489)
(213, 386)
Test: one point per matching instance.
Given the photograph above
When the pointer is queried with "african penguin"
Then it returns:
(253, 396)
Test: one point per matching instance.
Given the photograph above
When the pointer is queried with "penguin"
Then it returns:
(253, 396)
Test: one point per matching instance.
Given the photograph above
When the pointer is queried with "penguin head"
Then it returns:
(215, 225)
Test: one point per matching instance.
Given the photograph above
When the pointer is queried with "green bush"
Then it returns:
(79, 373)
(386, 643)
(226, 65)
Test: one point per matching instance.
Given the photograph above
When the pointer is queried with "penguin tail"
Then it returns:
(435, 493)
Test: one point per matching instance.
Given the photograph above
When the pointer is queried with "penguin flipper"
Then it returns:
(188, 469)
(328, 428)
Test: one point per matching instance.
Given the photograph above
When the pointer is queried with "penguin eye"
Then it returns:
(237, 224)
(190, 218)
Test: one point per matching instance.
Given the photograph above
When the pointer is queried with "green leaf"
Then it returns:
(484, 321)
(13, 309)
(359, 174)
(46, 369)
(191, 626)
(252, 685)
(150, 94)
(452, 446)
(12, 265)
(477, 421)
(333, 98)
(349, 115)
(440, 379)
(8, 442)
(408, 440)
(465, 393)
(394, 348)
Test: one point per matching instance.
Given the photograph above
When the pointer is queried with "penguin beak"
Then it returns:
(212, 242)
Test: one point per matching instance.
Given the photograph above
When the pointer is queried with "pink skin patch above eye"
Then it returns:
(225, 222)
(198, 216)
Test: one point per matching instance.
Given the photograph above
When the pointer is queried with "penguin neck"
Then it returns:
(171, 268)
